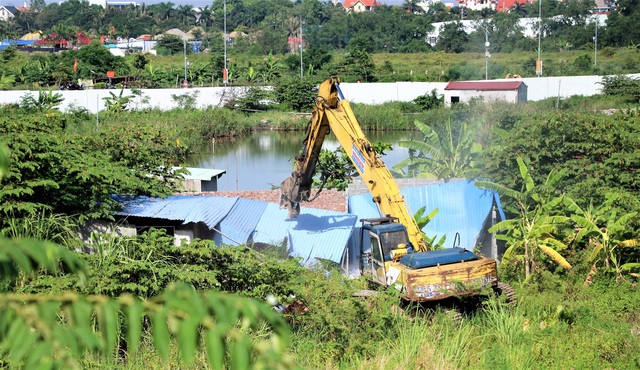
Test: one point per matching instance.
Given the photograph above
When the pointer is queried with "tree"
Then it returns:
(170, 45)
(59, 330)
(411, 6)
(532, 229)
(95, 57)
(443, 155)
(621, 27)
(359, 64)
(453, 38)
(59, 172)
(296, 94)
(37, 5)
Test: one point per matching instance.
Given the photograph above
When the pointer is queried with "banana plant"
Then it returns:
(536, 223)
(443, 156)
(117, 103)
(422, 220)
(604, 229)
(7, 81)
(44, 102)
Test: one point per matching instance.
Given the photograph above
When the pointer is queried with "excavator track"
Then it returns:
(507, 291)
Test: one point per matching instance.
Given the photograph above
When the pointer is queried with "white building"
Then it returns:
(465, 91)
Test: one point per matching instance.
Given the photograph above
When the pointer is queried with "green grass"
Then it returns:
(572, 327)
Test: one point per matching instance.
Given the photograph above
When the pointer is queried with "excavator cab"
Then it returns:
(383, 240)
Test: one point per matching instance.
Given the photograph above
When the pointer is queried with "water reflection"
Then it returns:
(261, 161)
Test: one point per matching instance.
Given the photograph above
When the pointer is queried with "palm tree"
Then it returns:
(411, 6)
(520, 9)
(443, 155)
(185, 12)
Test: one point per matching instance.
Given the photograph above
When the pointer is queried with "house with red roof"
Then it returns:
(507, 5)
(359, 6)
(464, 91)
(79, 39)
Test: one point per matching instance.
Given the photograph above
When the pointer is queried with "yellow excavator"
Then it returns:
(393, 251)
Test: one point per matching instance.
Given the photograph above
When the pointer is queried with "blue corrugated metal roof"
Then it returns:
(210, 210)
(316, 233)
(462, 208)
(240, 222)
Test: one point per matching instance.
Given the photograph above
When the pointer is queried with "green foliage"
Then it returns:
(536, 222)
(597, 151)
(145, 265)
(58, 331)
(625, 86)
(296, 94)
(6, 80)
(44, 102)
(187, 100)
(423, 220)
(68, 173)
(170, 45)
(255, 98)
(32, 256)
(140, 61)
(605, 230)
(583, 63)
(324, 335)
(429, 101)
(117, 103)
(4, 160)
(336, 170)
(69, 326)
(357, 66)
(9, 53)
(443, 155)
(56, 228)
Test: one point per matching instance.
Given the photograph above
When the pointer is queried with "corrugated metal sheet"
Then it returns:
(483, 85)
(210, 210)
(314, 234)
(240, 222)
(462, 208)
(204, 174)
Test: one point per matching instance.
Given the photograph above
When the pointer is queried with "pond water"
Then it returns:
(263, 159)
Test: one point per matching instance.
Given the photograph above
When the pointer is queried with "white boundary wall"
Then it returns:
(366, 93)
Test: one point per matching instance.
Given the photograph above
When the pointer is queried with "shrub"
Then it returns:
(622, 85)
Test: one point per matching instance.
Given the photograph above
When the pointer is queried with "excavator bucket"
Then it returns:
(288, 196)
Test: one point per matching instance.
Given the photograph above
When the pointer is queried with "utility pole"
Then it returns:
(301, 74)
(184, 41)
(595, 41)
(225, 75)
(486, 52)
(539, 62)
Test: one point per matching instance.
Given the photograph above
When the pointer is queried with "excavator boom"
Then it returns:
(420, 274)
(334, 113)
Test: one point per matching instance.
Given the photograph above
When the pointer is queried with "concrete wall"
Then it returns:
(366, 93)
(93, 100)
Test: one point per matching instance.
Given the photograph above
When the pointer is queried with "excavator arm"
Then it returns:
(334, 113)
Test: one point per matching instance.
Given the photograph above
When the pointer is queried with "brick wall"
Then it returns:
(329, 199)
